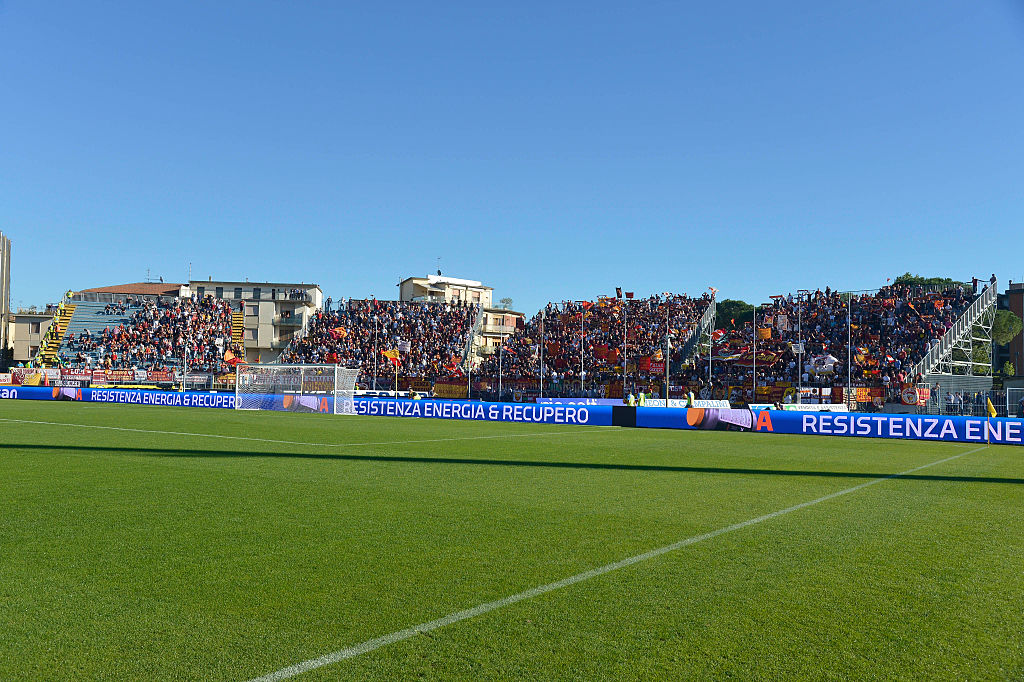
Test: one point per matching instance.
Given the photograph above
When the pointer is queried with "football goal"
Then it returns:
(296, 388)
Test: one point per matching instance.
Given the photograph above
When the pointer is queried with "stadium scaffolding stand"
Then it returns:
(432, 338)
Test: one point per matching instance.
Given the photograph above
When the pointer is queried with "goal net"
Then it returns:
(296, 388)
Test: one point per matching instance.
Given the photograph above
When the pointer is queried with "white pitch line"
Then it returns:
(292, 442)
(407, 633)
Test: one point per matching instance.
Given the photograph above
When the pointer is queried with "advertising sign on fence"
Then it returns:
(444, 389)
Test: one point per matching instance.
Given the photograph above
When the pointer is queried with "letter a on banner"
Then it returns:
(764, 419)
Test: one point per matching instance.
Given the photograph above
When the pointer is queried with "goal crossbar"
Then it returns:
(296, 388)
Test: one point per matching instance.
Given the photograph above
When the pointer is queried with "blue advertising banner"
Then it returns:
(591, 415)
(121, 395)
(900, 426)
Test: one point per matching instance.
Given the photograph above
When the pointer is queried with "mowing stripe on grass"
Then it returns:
(294, 442)
(400, 635)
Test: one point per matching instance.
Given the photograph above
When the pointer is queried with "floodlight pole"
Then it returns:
(625, 312)
(542, 315)
(375, 350)
(583, 338)
(753, 388)
(501, 347)
(800, 344)
(849, 345)
(668, 355)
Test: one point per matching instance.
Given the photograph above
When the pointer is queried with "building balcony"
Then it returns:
(500, 329)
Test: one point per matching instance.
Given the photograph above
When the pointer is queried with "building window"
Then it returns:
(32, 350)
(200, 291)
(220, 292)
(273, 294)
(250, 335)
(33, 327)
(257, 293)
(238, 293)
(252, 310)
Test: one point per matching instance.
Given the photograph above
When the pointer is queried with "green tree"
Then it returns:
(1006, 327)
(730, 309)
(506, 303)
(907, 278)
(1008, 369)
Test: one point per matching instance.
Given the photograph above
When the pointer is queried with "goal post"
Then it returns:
(296, 388)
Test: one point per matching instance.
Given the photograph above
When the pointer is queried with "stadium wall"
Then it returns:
(893, 426)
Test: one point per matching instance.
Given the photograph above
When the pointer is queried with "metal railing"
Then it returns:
(962, 326)
(707, 323)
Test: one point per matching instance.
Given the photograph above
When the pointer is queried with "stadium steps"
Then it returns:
(89, 316)
(51, 347)
(237, 327)
(941, 358)
(702, 329)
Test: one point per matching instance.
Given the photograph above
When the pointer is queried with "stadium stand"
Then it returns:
(150, 334)
(894, 331)
(603, 323)
(357, 332)
(891, 330)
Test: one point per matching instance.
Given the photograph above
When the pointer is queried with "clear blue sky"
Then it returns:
(552, 150)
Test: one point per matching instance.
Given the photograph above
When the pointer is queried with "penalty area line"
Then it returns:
(479, 610)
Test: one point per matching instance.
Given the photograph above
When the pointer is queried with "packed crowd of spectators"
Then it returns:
(891, 330)
(608, 329)
(431, 338)
(159, 334)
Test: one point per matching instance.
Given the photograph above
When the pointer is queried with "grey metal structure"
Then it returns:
(953, 353)
(701, 334)
(5, 297)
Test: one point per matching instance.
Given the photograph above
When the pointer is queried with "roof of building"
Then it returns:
(451, 281)
(219, 282)
(137, 288)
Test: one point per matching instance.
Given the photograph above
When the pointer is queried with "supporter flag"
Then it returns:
(453, 366)
(713, 291)
(764, 333)
(393, 355)
(629, 294)
(618, 292)
(231, 359)
(404, 346)
(587, 305)
(717, 334)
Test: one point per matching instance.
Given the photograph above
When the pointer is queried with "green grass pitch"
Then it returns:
(136, 553)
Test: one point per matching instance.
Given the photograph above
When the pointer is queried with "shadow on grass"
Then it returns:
(594, 466)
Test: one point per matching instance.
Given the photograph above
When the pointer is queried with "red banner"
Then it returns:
(160, 375)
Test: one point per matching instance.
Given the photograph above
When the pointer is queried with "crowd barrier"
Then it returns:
(895, 426)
